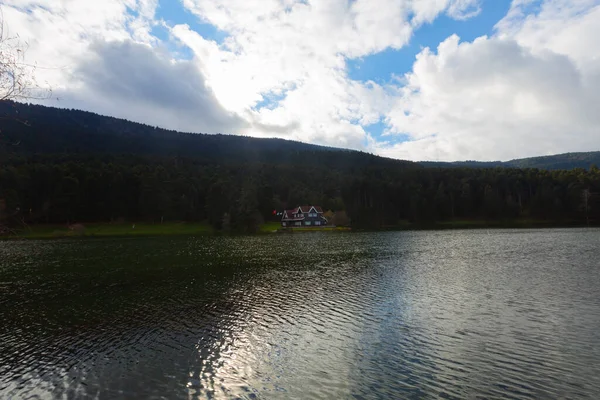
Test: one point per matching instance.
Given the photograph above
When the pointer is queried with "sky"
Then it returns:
(409, 79)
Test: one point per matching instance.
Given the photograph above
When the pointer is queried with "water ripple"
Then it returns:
(462, 314)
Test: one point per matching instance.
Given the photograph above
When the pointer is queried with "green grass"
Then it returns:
(321, 228)
(139, 229)
(272, 227)
(269, 227)
(317, 229)
(202, 228)
(115, 230)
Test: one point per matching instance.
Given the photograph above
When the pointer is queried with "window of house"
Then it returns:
(317, 222)
(308, 223)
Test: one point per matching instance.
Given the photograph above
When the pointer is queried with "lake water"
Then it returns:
(452, 314)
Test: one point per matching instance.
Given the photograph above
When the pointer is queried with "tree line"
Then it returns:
(65, 166)
(67, 189)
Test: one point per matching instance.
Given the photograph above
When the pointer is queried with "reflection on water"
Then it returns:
(504, 314)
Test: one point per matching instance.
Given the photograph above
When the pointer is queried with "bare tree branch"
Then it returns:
(17, 77)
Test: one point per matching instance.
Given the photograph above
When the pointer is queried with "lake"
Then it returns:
(432, 314)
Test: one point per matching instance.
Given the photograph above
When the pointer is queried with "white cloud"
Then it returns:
(532, 89)
(131, 80)
(59, 33)
(464, 9)
(298, 49)
(101, 57)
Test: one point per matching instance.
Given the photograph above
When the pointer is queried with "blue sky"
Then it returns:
(173, 12)
(380, 67)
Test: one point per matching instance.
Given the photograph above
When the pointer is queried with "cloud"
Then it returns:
(59, 33)
(465, 9)
(531, 89)
(101, 57)
(297, 50)
(134, 81)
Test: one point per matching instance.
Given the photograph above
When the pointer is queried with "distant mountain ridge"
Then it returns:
(566, 161)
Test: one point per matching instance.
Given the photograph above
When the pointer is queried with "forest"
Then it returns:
(62, 166)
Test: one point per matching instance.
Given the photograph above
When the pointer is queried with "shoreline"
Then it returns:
(131, 230)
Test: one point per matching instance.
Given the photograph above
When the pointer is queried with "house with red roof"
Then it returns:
(303, 216)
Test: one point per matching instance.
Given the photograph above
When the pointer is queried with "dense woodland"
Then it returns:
(65, 166)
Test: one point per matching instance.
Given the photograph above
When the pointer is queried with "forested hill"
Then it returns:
(47, 130)
(65, 166)
(554, 162)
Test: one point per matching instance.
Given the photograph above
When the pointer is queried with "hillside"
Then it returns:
(559, 161)
(62, 166)
(47, 130)
(564, 161)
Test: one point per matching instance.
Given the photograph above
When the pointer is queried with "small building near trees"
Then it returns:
(303, 216)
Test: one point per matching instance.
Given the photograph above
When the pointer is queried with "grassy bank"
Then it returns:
(113, 230)
(184, 228)
(137, 229)
(318, 229)
(274, 227)
(269, 227)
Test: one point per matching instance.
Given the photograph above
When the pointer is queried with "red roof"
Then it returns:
(297, 210)
(290, 215)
